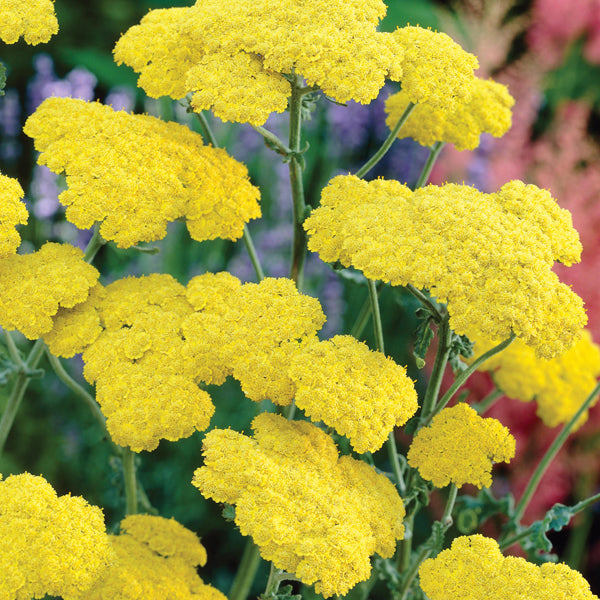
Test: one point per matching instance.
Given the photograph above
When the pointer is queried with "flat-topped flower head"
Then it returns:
(34, 20)
(156, 558)
(488, 111)
(136, 173)
(12, 213)
(473, 568)
(488, 256)
(33, 287)
(460, 447)
(309, 511)
(48, 544)
(559, 386)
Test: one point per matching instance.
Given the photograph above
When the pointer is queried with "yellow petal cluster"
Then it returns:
(488, 111)
(156, 558)
(475, 569)
(34, 286)
(34, 20)
(48, 544)
(310, 512)
(460, 447)
(136, 173)
(12, 213)
(489, 256)
(559, 385)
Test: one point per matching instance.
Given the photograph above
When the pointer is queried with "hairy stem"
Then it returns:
(246, 572)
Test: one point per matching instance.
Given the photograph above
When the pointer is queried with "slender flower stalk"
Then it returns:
(434, 309)
(272, 140)
(95, 243)
(483, 406)
(131, 500)
(434, 152)
(246, 572)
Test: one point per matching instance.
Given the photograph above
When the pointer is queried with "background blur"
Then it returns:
(546, 51)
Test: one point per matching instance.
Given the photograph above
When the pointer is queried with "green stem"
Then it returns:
(260, 274)
(395, 461)
(246, 572)
(464, 375)
(297, 185)
(386, 144)
(434, 152)
(13, 351)
(96, 242)
(16, 396)
(447, 516)
(556, 445)
(207, 134)
(377, 327)
(131, 501)
(433, 308)
(483, 406)
(273, 582)
(362, 319)
(273, 141)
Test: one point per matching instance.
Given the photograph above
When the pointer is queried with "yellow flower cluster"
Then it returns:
(48, 544)
(310, 512)
(475, 569)
(156, 558)
(35, 20)
(559, 385)
(489, 256)
(488, 111)
(12, 213)
(34, 286)
(459, 446)
(136, 173)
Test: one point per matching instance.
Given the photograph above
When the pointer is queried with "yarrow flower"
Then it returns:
(34, 20)
(488, 111)
(559, 386)
(475, 569)
(34, 286)
(309, 511)
(459, 446)
(489, 256)
(12, 213)
(136, 173)
(156, 558)
(48, 544)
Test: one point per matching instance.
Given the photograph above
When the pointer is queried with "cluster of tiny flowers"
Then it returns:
(156, 558)
(559, 385)
(488, 111)
(12, 213)
(48, 544)
(475, 569)
(34, 286)
(136, 173)
(489, 256)
(460, 447)
(310, 512)
(34, 20)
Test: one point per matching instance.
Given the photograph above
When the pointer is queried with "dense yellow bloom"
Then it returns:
(559, 385)
(488, 111)
(156, 560)
(459, 446)
(34, 286)
(489, 256)
(136, 173)
(48, 544)
(12, 212)
(474, 569)
(35, 20)
(310, 512)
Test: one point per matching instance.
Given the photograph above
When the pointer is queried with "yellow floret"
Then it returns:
(12, 212)
(34, 20)
(459, 446)
(33, 287)
(136, 173)
(48, 544)
(474, 569)
(310, 512)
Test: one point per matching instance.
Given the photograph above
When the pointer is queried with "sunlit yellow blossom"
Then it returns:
(48, 544)
(12, 212)
(156, 560)
(34, 20)
(474, 569)
(488, 111)
(136, 173)
(233, 57)
(489, 256)
(559, 386)
(459, 446)
(310, 512)
(34, 286)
